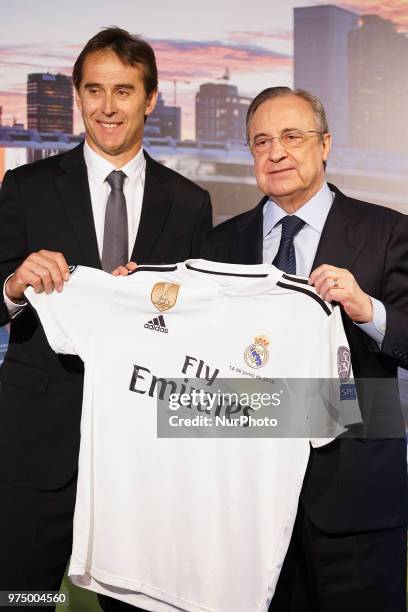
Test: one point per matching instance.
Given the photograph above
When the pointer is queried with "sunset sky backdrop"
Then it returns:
(193, 46)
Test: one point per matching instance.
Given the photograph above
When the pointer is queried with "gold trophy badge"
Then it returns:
(164, 295)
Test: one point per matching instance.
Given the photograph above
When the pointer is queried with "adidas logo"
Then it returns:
(157, 324)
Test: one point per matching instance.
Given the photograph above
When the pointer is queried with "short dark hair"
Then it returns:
(278, 92)
(132, 50)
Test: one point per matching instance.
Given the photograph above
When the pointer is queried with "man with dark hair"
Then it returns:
(131, 50)
(98, 205)
(348, 547)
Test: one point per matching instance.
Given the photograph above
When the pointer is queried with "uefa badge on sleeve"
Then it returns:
(347, 389)
(164, 295)
(343, 363)
(256, 355)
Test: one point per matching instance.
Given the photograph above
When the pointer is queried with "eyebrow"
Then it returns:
(128, 86)
(288, 129)
(125, 86)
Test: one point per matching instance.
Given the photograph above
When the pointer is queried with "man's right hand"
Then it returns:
(44, 271)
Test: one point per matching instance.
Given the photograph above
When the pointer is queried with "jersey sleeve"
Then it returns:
(339, 408)
(71, 318)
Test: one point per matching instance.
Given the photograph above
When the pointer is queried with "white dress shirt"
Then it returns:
(98, 169)
(314, 214)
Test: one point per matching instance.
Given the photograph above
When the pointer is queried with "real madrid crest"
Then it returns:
(164, 295)
(256, 355)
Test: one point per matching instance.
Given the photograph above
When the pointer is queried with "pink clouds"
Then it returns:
(14, 107)
(182, 60)
(35, 58)
(394, 10)
(267, 35)
(198, 61)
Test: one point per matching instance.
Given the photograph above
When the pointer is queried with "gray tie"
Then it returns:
(115, 251)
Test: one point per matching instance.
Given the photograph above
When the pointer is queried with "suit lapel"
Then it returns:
(340, 242)
(73, 188)
(341, 239)
(156, 206)
(247, 249)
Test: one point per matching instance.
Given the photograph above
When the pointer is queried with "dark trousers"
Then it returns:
(35, 538)
(364, 572)
(36, 542)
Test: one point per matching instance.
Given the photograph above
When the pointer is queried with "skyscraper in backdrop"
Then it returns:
(378, 86)
(321, 61)
(166, 118)
(49, 102)
(220, 113)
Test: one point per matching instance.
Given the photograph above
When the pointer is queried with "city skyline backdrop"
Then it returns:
(257, 54)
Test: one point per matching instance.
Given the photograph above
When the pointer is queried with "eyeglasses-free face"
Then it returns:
(289, 151)
(113, 102)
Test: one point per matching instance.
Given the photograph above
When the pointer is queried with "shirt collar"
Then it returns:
(98, 167)
(313, 213)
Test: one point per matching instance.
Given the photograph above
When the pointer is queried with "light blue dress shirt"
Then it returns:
(314, 214)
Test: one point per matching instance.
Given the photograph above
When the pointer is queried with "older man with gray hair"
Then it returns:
(348, 548)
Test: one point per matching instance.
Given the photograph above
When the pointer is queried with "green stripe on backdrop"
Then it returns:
(80, 600)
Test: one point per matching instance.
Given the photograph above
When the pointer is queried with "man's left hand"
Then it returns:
(124, 270)
(339, 285)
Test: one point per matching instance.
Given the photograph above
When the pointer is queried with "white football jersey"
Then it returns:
(176, 514)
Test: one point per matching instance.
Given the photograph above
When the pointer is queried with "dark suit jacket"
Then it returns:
(361, 483)
(47, 205)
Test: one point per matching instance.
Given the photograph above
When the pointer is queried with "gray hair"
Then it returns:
(278, 92)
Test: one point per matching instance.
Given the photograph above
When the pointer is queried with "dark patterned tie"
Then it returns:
(285, 258)
(115, 251)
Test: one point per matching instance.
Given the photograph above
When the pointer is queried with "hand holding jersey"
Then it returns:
(44, 271)
(124, 270)
(339, 285)
(331, 283)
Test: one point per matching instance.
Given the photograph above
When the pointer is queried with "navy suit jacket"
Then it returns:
(47, 205)
(357, 483)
